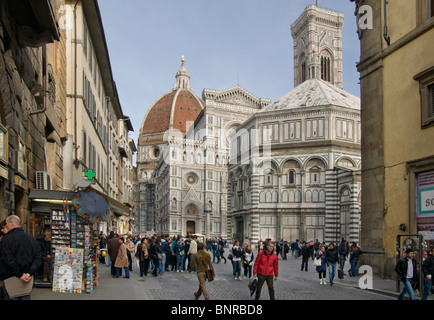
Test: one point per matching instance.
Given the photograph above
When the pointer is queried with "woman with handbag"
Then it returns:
(320, 262)
(248, 259)
(143, 256)
(205, 270)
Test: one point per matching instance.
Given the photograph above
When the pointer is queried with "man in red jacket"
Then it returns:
(265, 266)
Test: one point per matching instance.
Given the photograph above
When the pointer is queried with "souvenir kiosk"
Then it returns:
(71, 218)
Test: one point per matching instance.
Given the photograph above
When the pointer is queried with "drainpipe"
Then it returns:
(385, 35)
(76, 161)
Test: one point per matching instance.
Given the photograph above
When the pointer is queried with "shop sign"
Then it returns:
(426, 195)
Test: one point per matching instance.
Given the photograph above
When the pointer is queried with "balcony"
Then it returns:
(36, 21)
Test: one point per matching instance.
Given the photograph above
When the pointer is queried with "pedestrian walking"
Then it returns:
(354, 259)
(266, 264)
(186, 256)
(236, 260)
(20, 259)
(221, 250)
(316, 246)
(191, 252)
(102, 245)
(248, 259)
(332, 261)
(155, 253)
(121, 261)
(305, 254)
(178, 248)
(322, 268)
(296, 249)
(142, 255)
(164, 249)
(285, 250)
(130, 252)
(407, 272)
(202, 260)
(214, 247)
(278, 249)
(113, 245)
(428, 271)
(342, 251)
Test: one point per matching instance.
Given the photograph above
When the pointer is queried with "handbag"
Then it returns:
(253, 283)
(317, 262)
(208, 271)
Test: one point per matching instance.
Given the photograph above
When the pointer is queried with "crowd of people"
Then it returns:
(333, 257)
(22, 257)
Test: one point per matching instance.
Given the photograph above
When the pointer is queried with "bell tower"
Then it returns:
(317, 36)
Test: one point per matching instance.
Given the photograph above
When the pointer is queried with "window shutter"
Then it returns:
(431, 93)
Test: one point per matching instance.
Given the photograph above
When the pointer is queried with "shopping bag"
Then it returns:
(253, 283)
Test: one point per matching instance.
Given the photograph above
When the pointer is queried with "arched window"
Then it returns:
(303, 71)
(325, 68)
(291, 177)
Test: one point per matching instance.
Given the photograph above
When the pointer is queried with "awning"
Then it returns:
(45, 201)
(118, 208)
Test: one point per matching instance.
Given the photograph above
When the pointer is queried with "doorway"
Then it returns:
(191, 227)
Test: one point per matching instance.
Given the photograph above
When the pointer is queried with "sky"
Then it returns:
(224, 42)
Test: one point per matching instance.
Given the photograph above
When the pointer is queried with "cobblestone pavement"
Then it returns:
(292, 284)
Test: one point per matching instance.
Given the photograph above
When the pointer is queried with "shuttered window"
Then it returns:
(431, 93)
(426, 90)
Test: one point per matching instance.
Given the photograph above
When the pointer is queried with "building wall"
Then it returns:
(96, 126)
(322, 201)
(394, 144)
(32, 87)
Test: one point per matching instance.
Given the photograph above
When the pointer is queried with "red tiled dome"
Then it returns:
(173, 108)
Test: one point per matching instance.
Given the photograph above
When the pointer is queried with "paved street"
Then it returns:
(292, 284)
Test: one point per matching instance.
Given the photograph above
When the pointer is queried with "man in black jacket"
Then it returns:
(305, 254)
(20, 257)
(428, 271)
(407, 271)
(332, 261)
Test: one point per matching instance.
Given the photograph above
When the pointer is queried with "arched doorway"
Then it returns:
(191, 227)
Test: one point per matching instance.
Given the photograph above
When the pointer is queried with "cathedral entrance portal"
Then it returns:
(191, 227)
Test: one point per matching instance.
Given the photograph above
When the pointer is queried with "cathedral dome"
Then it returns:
(173, 109)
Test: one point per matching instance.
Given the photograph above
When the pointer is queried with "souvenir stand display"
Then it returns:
(74, 252)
